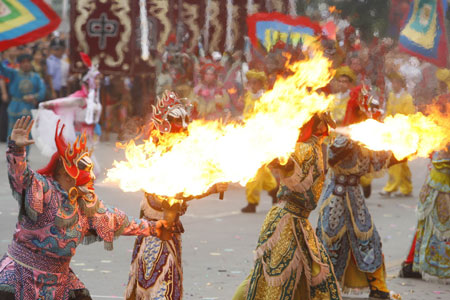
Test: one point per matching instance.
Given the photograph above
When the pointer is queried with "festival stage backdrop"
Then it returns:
(110, 31)
(424, 34)
(24, 21)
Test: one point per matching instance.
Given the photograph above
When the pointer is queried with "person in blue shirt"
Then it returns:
(26, 89)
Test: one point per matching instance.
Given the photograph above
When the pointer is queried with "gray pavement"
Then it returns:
(219, 241)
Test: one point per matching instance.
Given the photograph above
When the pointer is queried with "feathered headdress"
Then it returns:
(92, 70)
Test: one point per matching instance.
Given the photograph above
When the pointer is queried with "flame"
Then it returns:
(407, 136)
(212, 152)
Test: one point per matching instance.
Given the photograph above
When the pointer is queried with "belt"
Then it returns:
(341, 182)
(36, 260)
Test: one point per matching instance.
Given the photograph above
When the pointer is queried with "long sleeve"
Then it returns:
(109, 223)
(29, 188)
(7, 72)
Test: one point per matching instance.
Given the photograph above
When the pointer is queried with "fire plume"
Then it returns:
(212, 152)
(407, 136)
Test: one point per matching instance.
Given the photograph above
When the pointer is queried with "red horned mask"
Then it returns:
(76, 158)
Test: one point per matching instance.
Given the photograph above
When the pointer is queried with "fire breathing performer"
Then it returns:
(345, 225)
(264, 179)
(399, 102)
(156, 267)
(430, 250)
(80, 112)
(59, 210)
(290, 261)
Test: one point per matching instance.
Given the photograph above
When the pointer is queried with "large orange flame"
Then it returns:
(213, 152)
(410, 136)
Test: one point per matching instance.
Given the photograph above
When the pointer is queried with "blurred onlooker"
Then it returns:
(211, 100)
(26, 89)
(264, 179)
(40, 67)
(344, 81)
(55, 68)
(3, 107)
(399, 102)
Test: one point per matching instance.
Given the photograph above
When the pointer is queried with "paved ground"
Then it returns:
(219, 240)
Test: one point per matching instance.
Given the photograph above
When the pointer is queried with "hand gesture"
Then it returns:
(221, 187)
(21, 132)
(159, 226)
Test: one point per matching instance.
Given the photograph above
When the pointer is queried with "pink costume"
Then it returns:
(50, 227)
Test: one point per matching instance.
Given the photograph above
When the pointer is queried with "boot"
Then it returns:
(367, 190)
(385, 194)
(407, 272)
(250, 208)
(376, 294)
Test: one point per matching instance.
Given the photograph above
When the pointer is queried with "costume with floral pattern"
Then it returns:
(51, 225)
(432, 249)
(345, 225)
(291, 263)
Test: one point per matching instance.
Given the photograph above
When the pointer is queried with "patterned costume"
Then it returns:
(156, 270)
(432, 249)
(345, 225)
(291, 263)
(53, 222)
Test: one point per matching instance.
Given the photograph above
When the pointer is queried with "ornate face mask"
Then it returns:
(76, 159)
(171, 114)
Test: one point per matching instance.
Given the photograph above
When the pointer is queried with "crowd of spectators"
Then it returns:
(219, 85)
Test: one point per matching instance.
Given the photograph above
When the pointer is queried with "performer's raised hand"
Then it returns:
(21, 132)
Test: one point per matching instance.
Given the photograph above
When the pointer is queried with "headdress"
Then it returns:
(208, 66)
(310, 127)
(444, 76)
(361, 105)
(92, 70)
(345, 71)
(257, 75)
(75, 158)
(168, 108)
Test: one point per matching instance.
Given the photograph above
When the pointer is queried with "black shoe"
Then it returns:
(367, 190)
(376, 294)
(407, 272)
(250, 208)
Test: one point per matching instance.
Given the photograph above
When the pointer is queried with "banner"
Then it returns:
(110, 31)
(267, 29)
(424, 34)
(24, 21)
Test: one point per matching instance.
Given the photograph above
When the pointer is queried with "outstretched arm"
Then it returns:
(21, 178)
(18, 171)
(109, 223)
(8, 72)
(62, 103)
